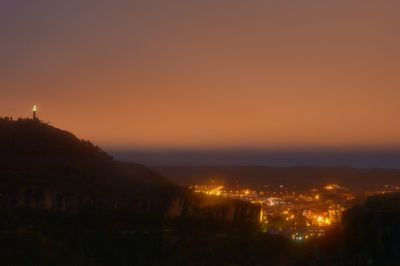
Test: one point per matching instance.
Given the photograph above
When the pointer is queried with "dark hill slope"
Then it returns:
(48, 168)
(31, 151)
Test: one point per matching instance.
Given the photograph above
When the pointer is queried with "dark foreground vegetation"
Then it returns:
(63, 201)
(111, 238)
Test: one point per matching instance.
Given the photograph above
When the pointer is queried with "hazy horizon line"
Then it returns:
(359, 158)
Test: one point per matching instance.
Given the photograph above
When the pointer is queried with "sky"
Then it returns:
(200, 75)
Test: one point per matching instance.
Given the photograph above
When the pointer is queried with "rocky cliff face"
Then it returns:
(214, 208)
(173, 205)
(373, 229)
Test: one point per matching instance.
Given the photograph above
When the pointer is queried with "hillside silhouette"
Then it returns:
(32, 151)
(43, 167)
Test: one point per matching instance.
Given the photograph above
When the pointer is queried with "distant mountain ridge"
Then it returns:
(299, 177)
(358, 157)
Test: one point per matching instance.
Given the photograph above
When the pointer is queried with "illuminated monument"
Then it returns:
(34, 110)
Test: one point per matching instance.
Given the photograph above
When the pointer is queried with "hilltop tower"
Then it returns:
(34, 110)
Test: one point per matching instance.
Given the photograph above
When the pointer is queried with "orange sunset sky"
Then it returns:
(206, 74)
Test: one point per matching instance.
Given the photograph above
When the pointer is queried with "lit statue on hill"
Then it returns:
(34, 110)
